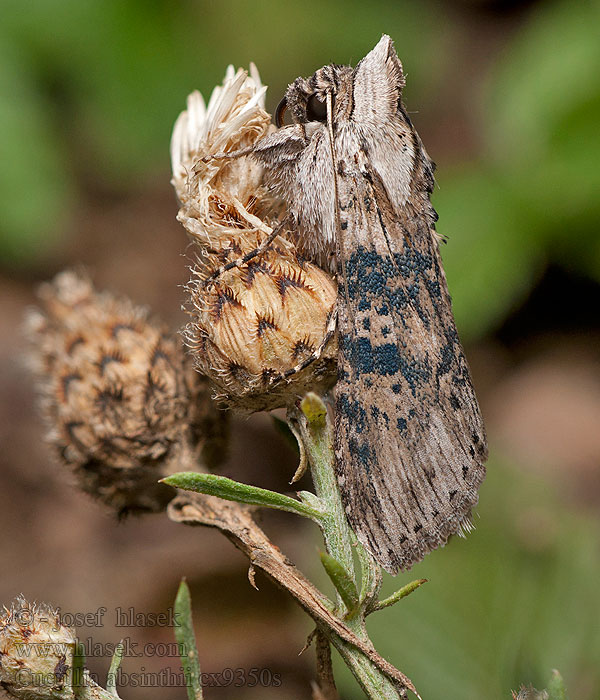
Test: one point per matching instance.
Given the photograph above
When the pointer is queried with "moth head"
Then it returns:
(306, 98)
(372, 90)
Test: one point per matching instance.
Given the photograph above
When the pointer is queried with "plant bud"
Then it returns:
(122, 407)
(254, 325)
(36, 653)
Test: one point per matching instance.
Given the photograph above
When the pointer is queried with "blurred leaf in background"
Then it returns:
(533, 196)
(36, 187)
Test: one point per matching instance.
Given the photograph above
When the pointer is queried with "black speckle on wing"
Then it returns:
(410, 443)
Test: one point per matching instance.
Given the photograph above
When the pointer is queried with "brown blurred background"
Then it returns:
(506, 97)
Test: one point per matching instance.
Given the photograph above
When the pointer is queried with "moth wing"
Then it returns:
(410, 442)
(391, 142)
(378, 78)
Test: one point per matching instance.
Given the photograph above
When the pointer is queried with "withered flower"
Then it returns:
(122, 407)
(36, 652)
(252, 326)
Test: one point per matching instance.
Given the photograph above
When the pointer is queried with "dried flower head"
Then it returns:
(36, 652)
(122, 407)
(218, 197)
(254, 325)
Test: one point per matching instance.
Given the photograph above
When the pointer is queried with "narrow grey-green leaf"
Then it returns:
(342, 581)
(186, 640)
(78, 669)
(115, 663)
(221, 486)
(399, 594)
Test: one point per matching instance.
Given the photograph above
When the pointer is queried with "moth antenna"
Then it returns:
(333, 158)
(338, 235)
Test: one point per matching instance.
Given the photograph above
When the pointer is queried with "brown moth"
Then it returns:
(409, 439)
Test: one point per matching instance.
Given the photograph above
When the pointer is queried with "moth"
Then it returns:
(410, 444)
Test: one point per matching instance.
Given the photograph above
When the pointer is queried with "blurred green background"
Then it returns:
(506, 97)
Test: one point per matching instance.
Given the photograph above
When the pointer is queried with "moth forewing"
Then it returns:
(409, 438)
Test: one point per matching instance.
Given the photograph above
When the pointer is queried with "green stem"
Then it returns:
(374, 683)
(314, 427)
(317, 436)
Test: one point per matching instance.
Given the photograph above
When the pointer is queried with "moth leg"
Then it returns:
(314, 356)
(224, 155)
(259, 250)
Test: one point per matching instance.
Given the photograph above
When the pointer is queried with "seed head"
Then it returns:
(255, 324)
(36, 652)
(122, 407)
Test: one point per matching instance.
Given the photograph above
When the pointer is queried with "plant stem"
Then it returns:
(341, 624)
(312, 423)
(317, 438)
(235, 521)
